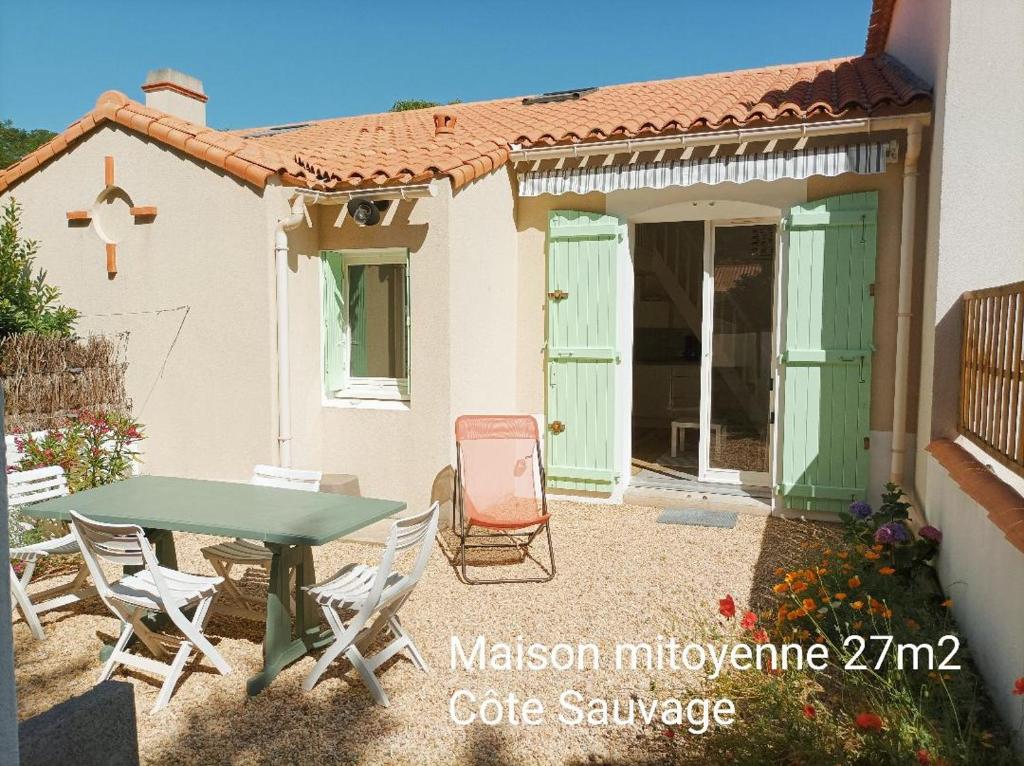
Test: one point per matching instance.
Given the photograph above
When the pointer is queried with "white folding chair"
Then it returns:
(370, 591)
(246, 553)
(23, 488)
(151, 589)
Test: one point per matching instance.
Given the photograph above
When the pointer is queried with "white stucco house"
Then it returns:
(744, 286)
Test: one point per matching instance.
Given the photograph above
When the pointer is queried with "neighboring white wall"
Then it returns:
(974, 239)
(984, 575)
(193, 288)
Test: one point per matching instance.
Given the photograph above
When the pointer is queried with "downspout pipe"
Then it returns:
(903, 309)
(284, 414)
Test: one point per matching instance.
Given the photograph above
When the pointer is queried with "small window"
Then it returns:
(366, 323)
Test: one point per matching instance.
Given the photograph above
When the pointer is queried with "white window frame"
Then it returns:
(386, 389)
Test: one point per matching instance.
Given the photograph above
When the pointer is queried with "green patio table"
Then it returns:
(287, 521)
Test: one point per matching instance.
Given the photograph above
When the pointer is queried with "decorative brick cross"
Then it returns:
(104, 221)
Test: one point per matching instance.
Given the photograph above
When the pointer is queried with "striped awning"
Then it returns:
(863, 159)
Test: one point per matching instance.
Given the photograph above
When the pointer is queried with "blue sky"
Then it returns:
(268, 62)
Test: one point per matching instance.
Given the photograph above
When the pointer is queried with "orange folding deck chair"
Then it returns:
(499, 487)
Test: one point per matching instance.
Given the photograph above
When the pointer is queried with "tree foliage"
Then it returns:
(27, 303)
(404, 105)
(16, 142)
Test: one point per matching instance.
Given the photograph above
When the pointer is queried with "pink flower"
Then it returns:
(749, 621)
(930, 533)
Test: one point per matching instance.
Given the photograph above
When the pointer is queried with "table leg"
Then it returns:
(283, 644)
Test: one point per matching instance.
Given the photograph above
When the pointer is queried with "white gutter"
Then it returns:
(711, 138)
(412, 191)
(284, 416)
(906, 294)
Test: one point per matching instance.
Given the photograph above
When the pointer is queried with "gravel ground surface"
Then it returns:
(621, 577)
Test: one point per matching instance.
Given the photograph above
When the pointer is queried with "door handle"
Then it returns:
(558, 295)
(556, 427)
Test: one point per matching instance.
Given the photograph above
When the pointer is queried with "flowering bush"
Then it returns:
(95, 448)
(868, 581)
(905, 554)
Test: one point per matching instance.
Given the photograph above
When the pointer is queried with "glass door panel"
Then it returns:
(738, 432)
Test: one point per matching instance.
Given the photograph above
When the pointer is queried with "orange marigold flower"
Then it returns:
(804, 634)
(858, 605)
(877, 548)
(842, 554)
(779, 571)
(854, 582)
(857, 625)
(799, 587)
(796, 614)
(886, 613)
(839, 597)
(868, 722)
(947, 603)
(886, 571)
(781, 587)
(808, 604)
(872, 556)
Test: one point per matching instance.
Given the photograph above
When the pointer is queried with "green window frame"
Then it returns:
(346, 337)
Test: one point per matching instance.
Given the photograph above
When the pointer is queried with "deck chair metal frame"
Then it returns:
(375, 593)
(247, 553)
(516, 537)
(151, 589)
(33, 486)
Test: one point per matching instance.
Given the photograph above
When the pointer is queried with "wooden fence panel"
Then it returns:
(991, 412)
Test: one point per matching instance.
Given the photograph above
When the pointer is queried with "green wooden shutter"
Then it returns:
(581, 350)
(333, 313)
(826, 360)
(357, 320)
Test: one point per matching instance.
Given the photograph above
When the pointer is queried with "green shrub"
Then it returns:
(27, 302)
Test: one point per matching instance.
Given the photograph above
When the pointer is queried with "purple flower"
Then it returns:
(930, 533)
(891, 533)
(860, 509)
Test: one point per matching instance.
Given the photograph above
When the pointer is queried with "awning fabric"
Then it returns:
(865, 158)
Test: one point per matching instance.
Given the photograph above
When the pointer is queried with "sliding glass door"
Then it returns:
(737, 367)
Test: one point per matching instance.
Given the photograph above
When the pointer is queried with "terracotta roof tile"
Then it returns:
(402, 147)
(878, 26)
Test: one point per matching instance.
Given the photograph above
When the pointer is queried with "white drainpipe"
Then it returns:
(906, 294)
(284, 416)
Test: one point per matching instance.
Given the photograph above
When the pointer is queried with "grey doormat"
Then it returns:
(695, 518)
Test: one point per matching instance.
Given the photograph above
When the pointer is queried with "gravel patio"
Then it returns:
(621, 577)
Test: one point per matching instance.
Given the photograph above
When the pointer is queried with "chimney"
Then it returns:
(176, 93)
(444, 123)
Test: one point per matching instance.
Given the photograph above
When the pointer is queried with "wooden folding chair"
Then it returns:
(151, 589)
(500, 488)
(23, 488)
(246, 553)
(369, 591)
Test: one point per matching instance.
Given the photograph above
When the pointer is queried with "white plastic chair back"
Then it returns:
(120, 544)
(405, 533)
(36, 485)
(286, 478)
